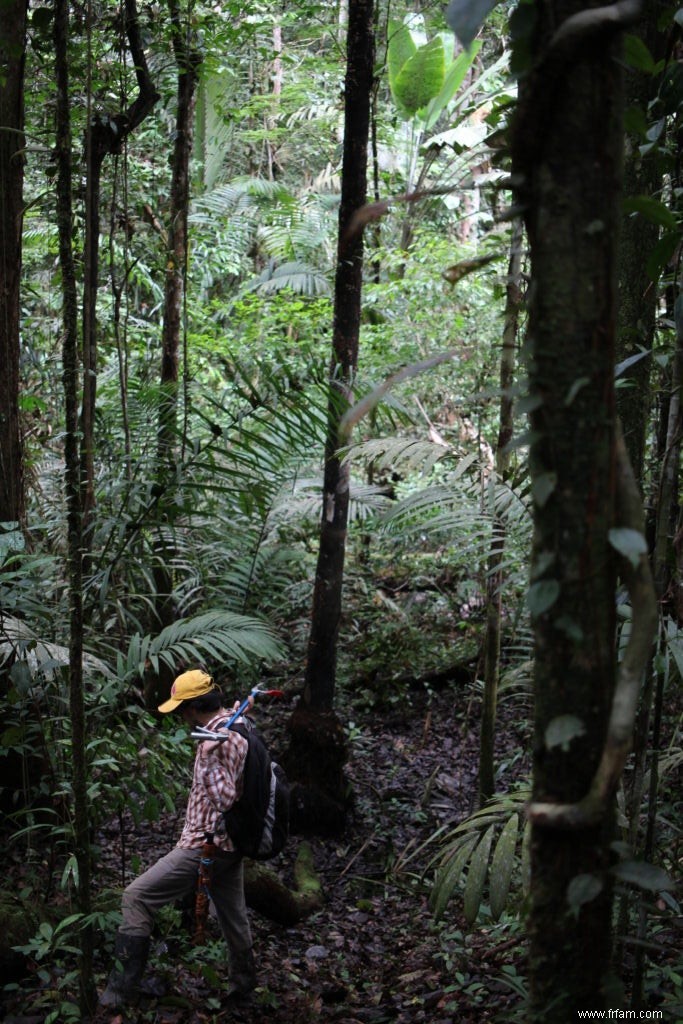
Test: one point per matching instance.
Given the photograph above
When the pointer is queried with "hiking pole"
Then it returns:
(201, 904)
(201, 733)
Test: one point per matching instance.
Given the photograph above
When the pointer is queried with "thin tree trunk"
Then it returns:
(494, 576)
(81, 828)
(12, 58)
(104, 136)
(188, 60)
(567, 149)
(319, 682)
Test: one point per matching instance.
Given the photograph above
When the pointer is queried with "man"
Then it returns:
(216, 784)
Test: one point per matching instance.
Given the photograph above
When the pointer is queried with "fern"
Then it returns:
(217, 636)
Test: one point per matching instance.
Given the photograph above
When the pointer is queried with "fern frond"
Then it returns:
(298, 277)
(222, 635)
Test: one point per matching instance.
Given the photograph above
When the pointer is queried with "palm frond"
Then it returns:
(300, 278)
(487, 845)
(217, 635)
(43, 657)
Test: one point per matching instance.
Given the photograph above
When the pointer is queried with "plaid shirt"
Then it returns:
(216, 784)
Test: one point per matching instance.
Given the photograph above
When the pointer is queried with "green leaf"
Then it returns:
(455, 75)
(466, 17)
(629, 543)
(502, 865)
(562, 730)
(449, 873)
(637, 55)
(582, 889)
(401, 48)
(652, 210)
(644, 875)
(661, 254)
(541, 596)
(542, 487)
(421, 78)
(477, 875)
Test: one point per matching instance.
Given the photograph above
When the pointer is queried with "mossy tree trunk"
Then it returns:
(567, 153)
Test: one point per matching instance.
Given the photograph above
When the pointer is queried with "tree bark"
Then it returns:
(188, 61)
(12, 58)
(567, 147)
(319, 681)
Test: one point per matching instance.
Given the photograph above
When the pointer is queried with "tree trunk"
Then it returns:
(12, 57)
(188, 60)
(104, 136)
(319, 682)
(81, 829)
(318, 749)
(494, 575)
(567, 149)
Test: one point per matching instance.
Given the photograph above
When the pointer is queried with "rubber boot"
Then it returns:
(242, 978)
(123, 985)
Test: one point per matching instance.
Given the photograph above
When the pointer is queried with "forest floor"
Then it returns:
(373, 952)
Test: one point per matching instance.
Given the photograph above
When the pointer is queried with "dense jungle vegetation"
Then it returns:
(342, 347)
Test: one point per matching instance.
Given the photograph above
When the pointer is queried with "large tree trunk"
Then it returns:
(12, 55)
(81, 829)
(319, 681)
(322, 760)
(567, 153)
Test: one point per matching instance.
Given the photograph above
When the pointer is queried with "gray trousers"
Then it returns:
(173, 877)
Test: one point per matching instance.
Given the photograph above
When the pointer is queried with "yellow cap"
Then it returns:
(194, 683)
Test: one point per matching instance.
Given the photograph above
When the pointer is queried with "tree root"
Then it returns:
(269, 896)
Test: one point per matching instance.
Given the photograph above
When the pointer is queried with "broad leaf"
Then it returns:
(502, 865)
(644, 875)
(466, 17)
(448, 875)
(421, 78)
(652, 210)
(541, 596)
(562, 730)
(455, 75)
(629, 543)
(582, 889)
(401, 48)
(476, 876)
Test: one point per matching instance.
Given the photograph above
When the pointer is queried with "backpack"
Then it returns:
(258, 823)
